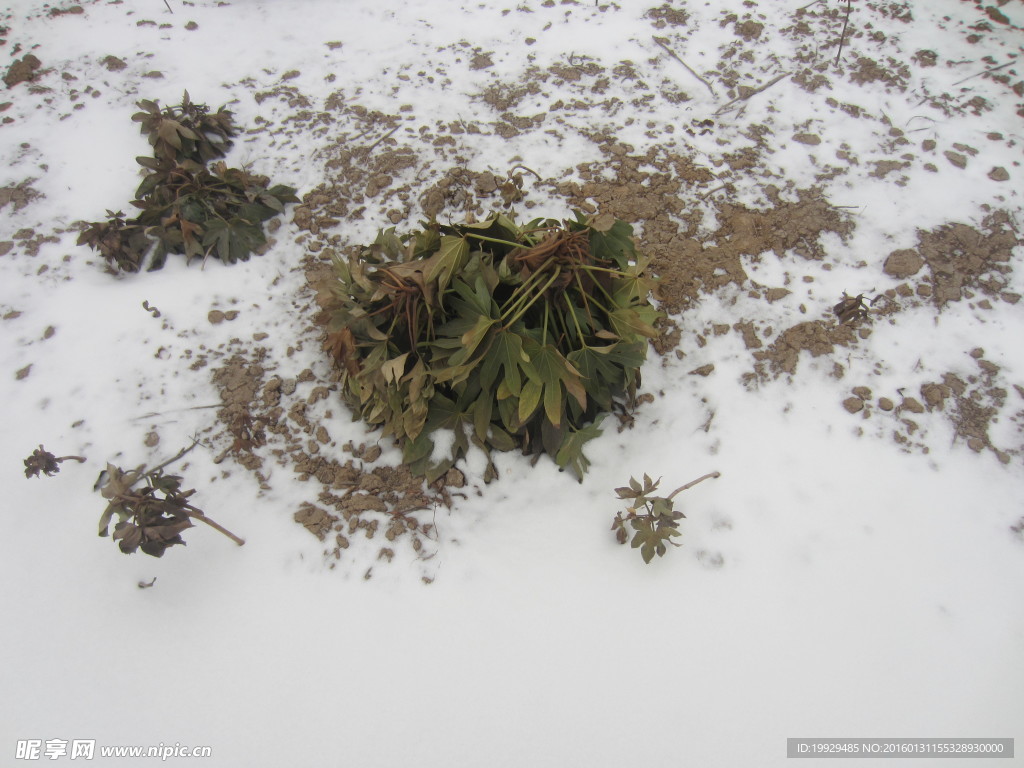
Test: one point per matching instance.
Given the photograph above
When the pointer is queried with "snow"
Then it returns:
(829, 584)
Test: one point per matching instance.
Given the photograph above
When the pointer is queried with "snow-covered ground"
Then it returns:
(848, 575)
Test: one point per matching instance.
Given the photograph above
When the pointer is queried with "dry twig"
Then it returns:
(754, 92)
(990, 69)
(664, 44)
(842, 37)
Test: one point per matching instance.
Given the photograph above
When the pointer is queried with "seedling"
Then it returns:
(42, 461)
(654, 520)
(151, 517)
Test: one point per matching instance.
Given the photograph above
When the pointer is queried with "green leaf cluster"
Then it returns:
(512, 337)
(653, 519)
(653, 528)
(187, 131)
(189, 202)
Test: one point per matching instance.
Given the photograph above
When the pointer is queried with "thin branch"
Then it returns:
(664, 44)
(370, 148)
(173, 459)
(528, 170)
(168, 7)
(754, 92)
(693, 483)
(706, 195)
(805, 7)
(842, 38)
(990, 69)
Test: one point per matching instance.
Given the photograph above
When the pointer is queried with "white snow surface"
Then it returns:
(828, 585)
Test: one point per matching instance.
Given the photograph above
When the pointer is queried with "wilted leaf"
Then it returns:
(571, 452)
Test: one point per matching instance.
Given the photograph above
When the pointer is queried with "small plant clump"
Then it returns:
(508, 336)
(44, 462)
(190, 202)
(852, 309)
(654, 520)
(150, 517)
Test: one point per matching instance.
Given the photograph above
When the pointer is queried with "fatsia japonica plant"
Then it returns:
(508, 336)
(151, 508)
(190, 202)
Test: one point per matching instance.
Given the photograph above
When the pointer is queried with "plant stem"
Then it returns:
(593, 268)
(197, 514)
(534, 298)
(171, 460)
(572, 314)
(79, 459)
(493, 240)
(586, 302)
(693, 483)
(522, 293)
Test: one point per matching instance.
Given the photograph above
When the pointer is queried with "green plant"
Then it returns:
(187, 131)
(654, 520)
(42, 461)
(509, 336)
(186, 207)
(150, 517)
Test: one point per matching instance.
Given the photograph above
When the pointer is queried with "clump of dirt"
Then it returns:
(282, 419)
(971, 400)
(961, 257)
(22, 71)
(894, 75)
(18, 195)
(238, 381)
(819, 337)
(113, 63)
(504, 97)
(974, 402)
(667, 16)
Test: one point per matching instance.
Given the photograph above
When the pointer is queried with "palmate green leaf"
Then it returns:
(416, 453)
(661, 507)
(637, 491)
(552, 379)
(461, 362)
(473, 315)
(497, 228)
(635, 287)
(650, 536)
(425, 242)
(570, 454)
(506, 357)
(387, 247)
(632, 322)
(602, 378)
(232, 240)
(614, 244)
(283, 194)
(449, 259)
